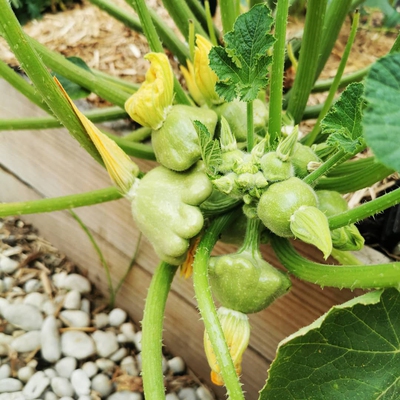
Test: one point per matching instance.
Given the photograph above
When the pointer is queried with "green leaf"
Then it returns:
(351, 352)
(382, 116)
(74, 90)
(343, 122)
(242, 65)
(210, 149)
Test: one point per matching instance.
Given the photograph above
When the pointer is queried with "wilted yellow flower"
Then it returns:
(236, 328)
(188, 74)
(204, 76)
(122, 170)
(149, 106)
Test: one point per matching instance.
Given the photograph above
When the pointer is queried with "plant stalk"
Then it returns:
(207, 308)
(365, 210)
(60, 203)
(95, 115)
(311, 137)
(40, 77)
(229, 13)
(19, 83)
(340, 276)
(308, 60)
(325, 167)
(275, 102)
(250, 126)
(154, 42)
(152, 326)
(334, 18)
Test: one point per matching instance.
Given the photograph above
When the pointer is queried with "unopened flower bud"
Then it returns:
(227, 184)
(204, 76)
(286, 146)
(310, 225)
(188, 74)
(227, 139)
(236, 328)
(122, 170)
(347, 238)
(149, 106)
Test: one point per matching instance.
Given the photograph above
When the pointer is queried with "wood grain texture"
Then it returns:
(50, 163)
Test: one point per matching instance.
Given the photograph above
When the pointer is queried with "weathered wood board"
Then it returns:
(49, 163)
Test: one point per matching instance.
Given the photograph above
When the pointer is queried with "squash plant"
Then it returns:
(227, 155)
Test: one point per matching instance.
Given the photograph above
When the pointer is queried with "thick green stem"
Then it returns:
(345, 257)
(139, 134)
(275, 101)
(365, 210)
(58, 63)
(96, 115)
(60, 203)
(210, 26)
(325, 84)
(250, 126)
(40, 77)
(230, 10)
(181, 14)
(122, 84)
(308, 61)
(207, 308)
(201, 15)
(355, 181)
(324, 168)
(152, 326)
(155, 43)
(310, 138)
(353, 166)
(335, 15)
(138, 150)
(19, 83)
(340, 276)
(251, 242)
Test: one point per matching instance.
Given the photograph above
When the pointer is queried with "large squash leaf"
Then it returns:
(382, 115)
(351, 352)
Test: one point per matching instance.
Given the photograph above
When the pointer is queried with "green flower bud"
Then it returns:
(274, 169)
(331, 202)
(310, 225)
(301, 157)
(227, 184)
(259, 149)
(347, 238)
(286, 146)
(227, 139)
(248, 165)
(230, 160)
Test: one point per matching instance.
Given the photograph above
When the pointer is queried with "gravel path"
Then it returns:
(59, 339)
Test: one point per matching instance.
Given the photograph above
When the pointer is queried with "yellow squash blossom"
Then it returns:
(122, 170)
(236, 328)
(188, 74)
(149, 106)
(204, 76)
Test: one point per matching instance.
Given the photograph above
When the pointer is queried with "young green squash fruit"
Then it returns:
(246, 283)
(176, 144)
(279, 202)
(165, 208)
